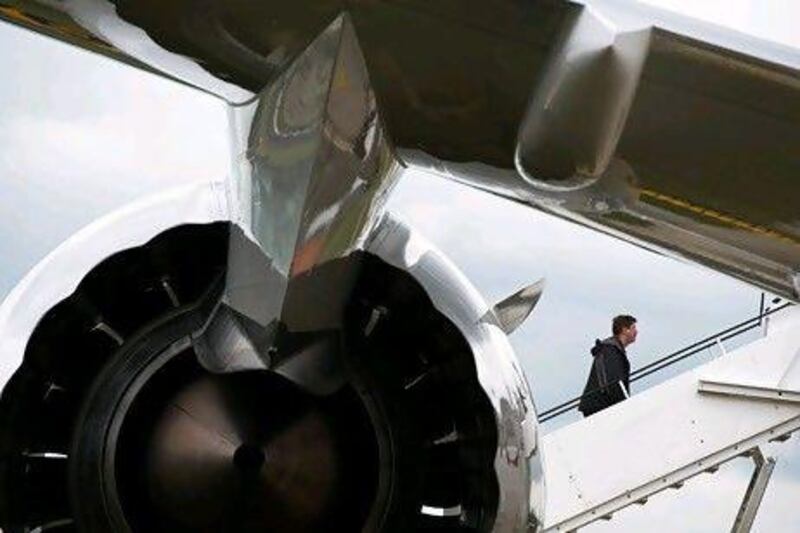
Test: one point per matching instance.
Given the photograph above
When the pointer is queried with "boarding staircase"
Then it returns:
(686, 426)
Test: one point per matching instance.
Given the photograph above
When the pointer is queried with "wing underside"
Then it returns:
(680, 137)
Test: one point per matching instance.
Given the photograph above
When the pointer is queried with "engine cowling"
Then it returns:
(109, 421)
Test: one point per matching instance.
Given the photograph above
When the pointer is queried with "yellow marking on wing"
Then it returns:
(15, 14)
(719, 217)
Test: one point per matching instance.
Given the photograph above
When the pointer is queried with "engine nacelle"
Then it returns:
(110, 421)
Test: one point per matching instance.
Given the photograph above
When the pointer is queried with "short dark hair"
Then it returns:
(622, 322)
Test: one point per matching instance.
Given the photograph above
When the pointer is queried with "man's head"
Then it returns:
(624, 329)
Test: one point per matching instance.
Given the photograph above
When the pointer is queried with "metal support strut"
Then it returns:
(755, 492)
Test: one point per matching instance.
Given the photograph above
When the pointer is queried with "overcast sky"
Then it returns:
(81, 135)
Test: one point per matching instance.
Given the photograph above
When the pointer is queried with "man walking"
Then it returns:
(608, 378)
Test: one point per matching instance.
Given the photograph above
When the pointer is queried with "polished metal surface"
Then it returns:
(679, 143)
(518, 459)
(313, 170)
(620, 119)
(515, 457)
(231, 452)
(513, 310)
(57, 276)
(647, 134)
(579, 108)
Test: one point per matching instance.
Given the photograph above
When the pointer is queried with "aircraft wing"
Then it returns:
(676, 135)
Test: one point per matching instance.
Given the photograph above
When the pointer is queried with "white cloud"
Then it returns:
(85, 135)
(773, 20)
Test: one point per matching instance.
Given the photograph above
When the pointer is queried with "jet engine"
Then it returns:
(411, 414)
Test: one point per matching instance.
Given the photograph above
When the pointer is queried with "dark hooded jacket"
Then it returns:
(608, 377)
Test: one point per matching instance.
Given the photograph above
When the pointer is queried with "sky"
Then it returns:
(772, 20)
(81, 135)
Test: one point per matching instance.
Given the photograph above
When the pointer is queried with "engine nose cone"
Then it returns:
(165, 445)
(248, 458)
(243, 451)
